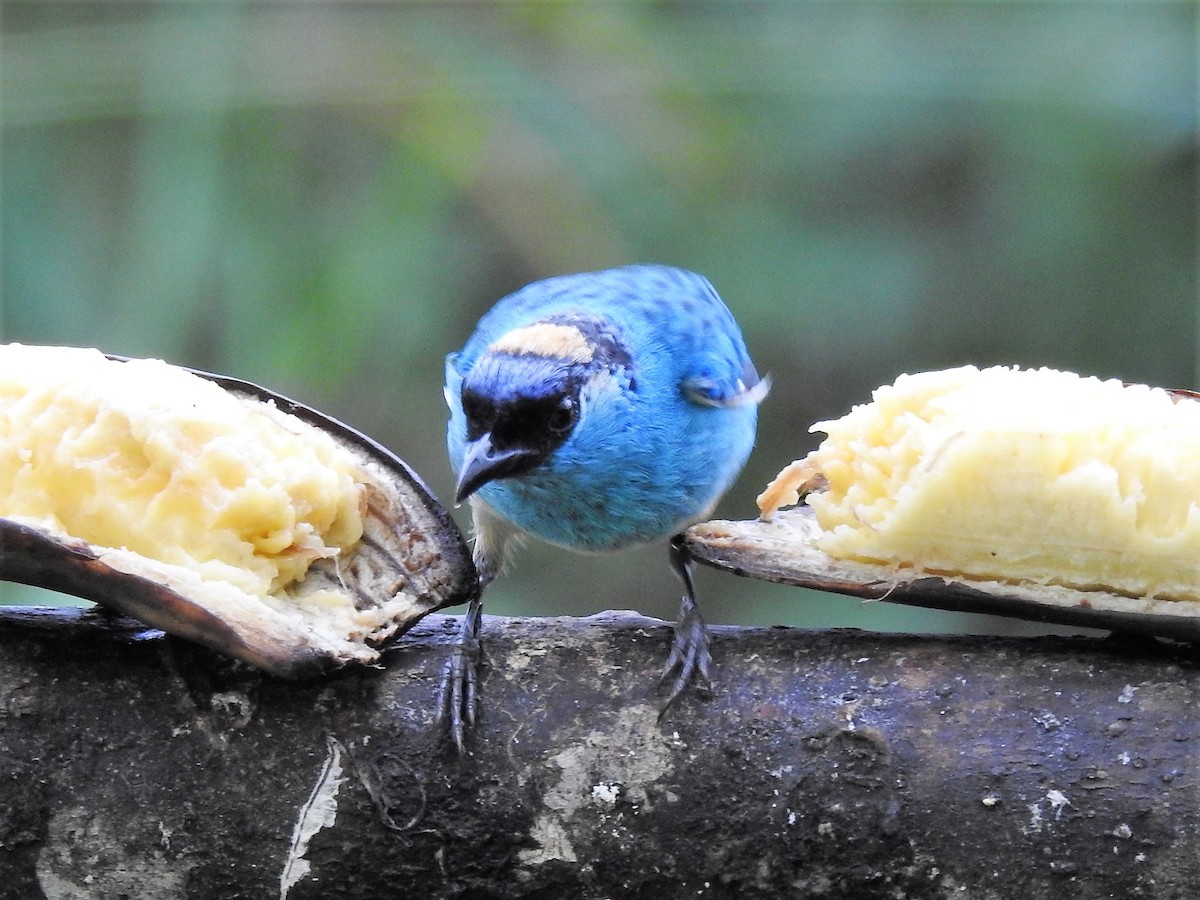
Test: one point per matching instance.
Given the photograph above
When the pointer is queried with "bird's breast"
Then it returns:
(619, 484)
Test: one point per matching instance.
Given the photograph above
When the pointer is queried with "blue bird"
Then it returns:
(595, 412)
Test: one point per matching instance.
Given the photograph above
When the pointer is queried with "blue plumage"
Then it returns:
(599, 411)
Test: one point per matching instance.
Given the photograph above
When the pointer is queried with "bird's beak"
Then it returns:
(482, 463)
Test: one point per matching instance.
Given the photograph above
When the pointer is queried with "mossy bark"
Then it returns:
(827, 764)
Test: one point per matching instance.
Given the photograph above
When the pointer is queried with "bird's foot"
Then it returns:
(690, 659)
(458, 693)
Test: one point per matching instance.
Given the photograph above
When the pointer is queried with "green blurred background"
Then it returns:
(324, 197)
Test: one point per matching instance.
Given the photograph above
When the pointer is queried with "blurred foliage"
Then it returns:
(323, 197)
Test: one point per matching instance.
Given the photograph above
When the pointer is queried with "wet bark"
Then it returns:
(829, 763)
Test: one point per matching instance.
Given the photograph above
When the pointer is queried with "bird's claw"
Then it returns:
(458, 693)
(689, 659)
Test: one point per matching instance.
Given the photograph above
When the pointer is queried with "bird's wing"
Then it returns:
(454, 379)
(716, 380)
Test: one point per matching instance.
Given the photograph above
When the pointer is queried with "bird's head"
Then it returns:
(524, 396)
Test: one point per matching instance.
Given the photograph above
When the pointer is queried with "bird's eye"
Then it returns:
(473, 405)
(480, 412)
(561, 417)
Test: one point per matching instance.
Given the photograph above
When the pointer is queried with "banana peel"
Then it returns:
(1035, 494)
(409, 560)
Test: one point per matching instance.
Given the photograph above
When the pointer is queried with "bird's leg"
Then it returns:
(689, 659)
(458, 694)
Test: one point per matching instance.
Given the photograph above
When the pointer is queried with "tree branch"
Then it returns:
(830, 763)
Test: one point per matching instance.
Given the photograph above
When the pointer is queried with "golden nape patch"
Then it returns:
(546, 339)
